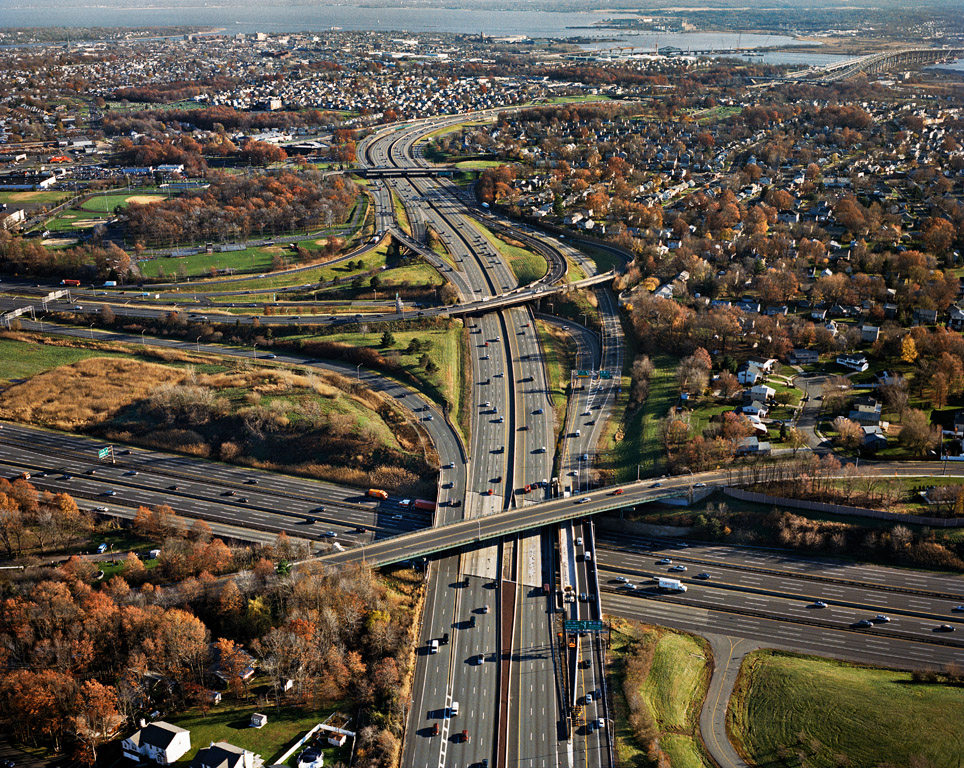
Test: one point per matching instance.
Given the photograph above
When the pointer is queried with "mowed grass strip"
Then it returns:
(527, 266)
(839, 714)
(559, 352)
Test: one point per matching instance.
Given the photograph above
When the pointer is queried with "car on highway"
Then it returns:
(454, 709)
(435, 729)
(664, 561)
(270, 356)
(430, 417)
(588, 697)
(100, 509)
(88, 472)
(578, 541)
(450, 465)
(862, 624)
(585, 456)
(251, 481)
(819, 604)
(621, 580)
(678, 568)
(958, 608)
(131, 472)
(600, 723)
(537, 411)
(704, 576)
(484, 357)
(617, 492)
(172, 487)
(109, 492)
(944, 628)
(582, 500)
(881, 619)
(699, 485)
(486, 404)
(396, 517)
(479, 659)
(541, 449)
(628, 585)
(433, 646)
(583, 597)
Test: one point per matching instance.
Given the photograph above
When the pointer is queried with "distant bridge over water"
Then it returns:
(875, 63)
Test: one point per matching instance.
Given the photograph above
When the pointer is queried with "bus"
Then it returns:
(69, 281)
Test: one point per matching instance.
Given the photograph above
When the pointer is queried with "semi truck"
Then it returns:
(671, 585)
(424, 504)
(377, 493)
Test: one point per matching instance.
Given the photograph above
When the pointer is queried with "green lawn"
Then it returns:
(15, 198)
(442, 347)
(201, 264)
(21, 359)
(867, 717)
(639, 443)
(74, 219)
(527, 266)
(230, 723)
(401, 214)
(115, 200)
(560, 357)
(672, 692)
(605, 260)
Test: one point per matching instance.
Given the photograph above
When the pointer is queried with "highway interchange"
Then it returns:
(502, 560)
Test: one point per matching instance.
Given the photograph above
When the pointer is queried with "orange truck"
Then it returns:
(377, 493)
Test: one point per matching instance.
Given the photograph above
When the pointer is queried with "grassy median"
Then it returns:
(794, 710)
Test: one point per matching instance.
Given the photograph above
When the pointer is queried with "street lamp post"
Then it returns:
(143, 342)
(92, 331)
(198, 343)
(358, 372)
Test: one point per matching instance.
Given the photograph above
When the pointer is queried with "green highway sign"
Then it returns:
(103, 453)
(605, 374)
(583, 625)
(583, 374)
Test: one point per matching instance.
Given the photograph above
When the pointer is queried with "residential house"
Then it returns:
(956, 320)
(223, 755)
(158, 741)
(869, 333)
(753, 445)
(749, 375)
(853, 362)
(925, 316)
(756, 408)
(762, 392)
(874, 438)
(803, 356)
(866, 410)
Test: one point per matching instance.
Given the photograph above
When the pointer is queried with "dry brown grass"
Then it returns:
(84, 394)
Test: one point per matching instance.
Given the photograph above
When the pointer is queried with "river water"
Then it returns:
(249, 17)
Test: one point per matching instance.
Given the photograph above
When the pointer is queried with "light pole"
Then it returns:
(358, 372)
(254, 351)
(198, 342)
(91, 331)
(143, 342)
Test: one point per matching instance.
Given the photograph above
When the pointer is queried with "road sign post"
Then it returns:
(106, 453)
(584, 625)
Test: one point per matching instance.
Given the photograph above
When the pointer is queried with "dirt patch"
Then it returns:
(144, 199)
(87, 223)
(322, 241)
(58, 242)
(23, 197)
(84, 394)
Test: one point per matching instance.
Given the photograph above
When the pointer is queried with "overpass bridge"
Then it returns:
(480, 530)
(883, 61)
(393, 172)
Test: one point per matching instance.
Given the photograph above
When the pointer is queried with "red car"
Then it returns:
(617, 492)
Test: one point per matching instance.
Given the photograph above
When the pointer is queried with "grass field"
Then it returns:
(401, 214)
(560, 357)
(231, 723)
(639, 443)
(442, 348)
(33, 197)
(605, 260)
(477, 165)
(112, 202)
(671, 692)
(73, 219)
(526, 265)
(21, 359)
(201, 264)
(837, 714)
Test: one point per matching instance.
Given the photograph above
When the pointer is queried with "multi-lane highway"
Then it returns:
(863, 613)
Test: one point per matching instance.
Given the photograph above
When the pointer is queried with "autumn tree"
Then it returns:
(917, 434)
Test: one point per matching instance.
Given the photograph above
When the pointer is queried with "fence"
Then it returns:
(839, 509)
